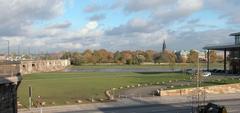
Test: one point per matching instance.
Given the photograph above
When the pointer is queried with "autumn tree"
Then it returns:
(76, 58)
(149, 55)
(213, 56)
(66, 55)
(127, 57)
(117, 57)
(102, 56)
(88, 56)
(192, 56)
(157, 58)
(169, 57)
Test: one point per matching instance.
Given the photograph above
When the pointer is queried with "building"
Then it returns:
(164, 46)
(182, 53)
(3, 57)
(233, 57)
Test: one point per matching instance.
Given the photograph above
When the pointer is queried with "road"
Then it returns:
(178, 104)
(232, 107)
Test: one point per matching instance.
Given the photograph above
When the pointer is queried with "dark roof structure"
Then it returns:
(222, 47)
(235, 34)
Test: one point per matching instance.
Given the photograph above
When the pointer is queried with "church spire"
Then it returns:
(164, 46)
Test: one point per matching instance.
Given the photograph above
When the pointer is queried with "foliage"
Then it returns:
(192, 56)
(76, 58)
(213, 56)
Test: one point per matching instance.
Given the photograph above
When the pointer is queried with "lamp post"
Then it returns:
(8, 42)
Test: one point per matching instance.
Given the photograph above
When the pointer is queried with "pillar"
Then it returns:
(225, 61)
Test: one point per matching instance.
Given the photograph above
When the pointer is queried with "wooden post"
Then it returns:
(30, 96)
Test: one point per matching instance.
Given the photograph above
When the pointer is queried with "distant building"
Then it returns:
(3, 57)
(234, 54)
(164, 46)
(182, 53)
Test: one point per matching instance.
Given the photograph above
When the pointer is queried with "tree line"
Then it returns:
(133, 57)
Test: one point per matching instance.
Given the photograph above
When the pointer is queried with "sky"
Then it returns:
(77, 25)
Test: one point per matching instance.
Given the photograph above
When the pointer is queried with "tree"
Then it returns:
(182, 59)
(141, 59)
(213, 56)
(156, 58)
(88, 56)
(192, 56)
(170, 57)
(127, 57)
(117, 57)
(76, 58)
(149, 55)
(66, 55)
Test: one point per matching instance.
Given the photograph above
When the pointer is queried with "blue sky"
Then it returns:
(76, 25)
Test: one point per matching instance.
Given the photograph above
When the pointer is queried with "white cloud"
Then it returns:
(190, 4)
(16, 14)
(13, 40)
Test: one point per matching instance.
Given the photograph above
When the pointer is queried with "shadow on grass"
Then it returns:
(215, 83)
(156, 72)
(144, 108)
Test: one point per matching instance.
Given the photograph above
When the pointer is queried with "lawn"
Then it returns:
(66, 88)
(69, 87)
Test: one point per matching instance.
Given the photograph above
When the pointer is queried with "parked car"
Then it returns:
(206, 74)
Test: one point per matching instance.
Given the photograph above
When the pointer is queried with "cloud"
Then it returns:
(63, 25)
(178, 11)
(227, 9)
(135, 25)
(13, 40)
(140, 5)
(92, 8)
(148, 24)
(21, 13)
(97, 17)
(198, 39)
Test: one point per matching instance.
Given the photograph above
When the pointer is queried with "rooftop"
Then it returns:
(235, 34)
(222, 47)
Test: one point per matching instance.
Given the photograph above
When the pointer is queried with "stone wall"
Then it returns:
(33, 66)
(8, 93)
(8, 98)
(219, 89)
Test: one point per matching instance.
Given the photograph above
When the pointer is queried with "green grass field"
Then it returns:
(62, 87)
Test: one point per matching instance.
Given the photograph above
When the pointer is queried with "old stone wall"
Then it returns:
(33, 66)
(8, 100)
(8, 93)
(219, 89)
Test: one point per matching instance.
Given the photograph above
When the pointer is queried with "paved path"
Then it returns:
(176, 104)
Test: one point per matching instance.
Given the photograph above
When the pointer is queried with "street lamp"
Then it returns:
(8, 43)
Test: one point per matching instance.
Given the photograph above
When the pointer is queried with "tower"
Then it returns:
(164, 46)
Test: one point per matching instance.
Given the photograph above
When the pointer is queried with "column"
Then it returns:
(225, 61)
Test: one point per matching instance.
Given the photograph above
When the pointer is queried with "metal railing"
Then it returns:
(9, 68)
